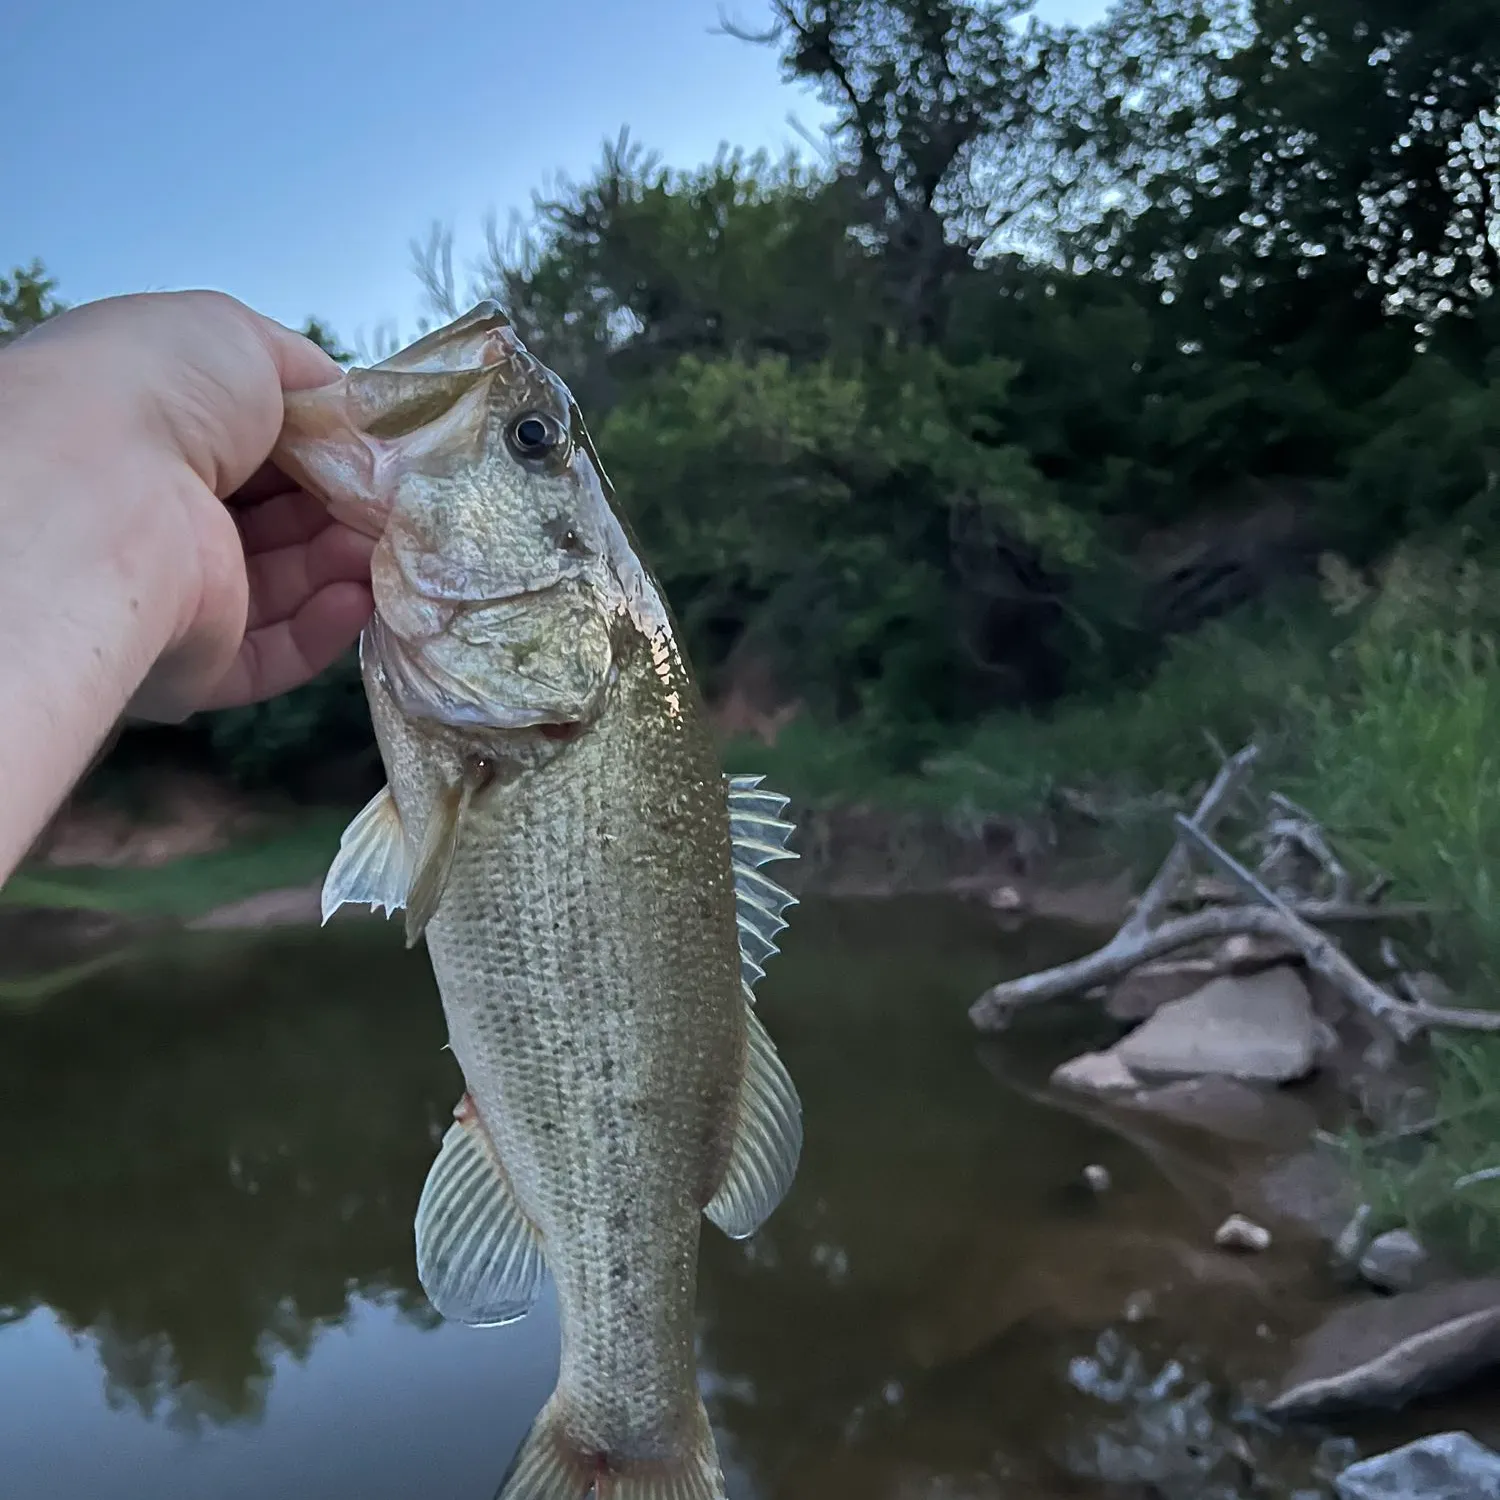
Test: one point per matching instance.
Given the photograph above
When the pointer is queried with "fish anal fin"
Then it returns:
(758, 835)
(371, 867)
(479, 1258)
(767, 1140)
(550, 1465)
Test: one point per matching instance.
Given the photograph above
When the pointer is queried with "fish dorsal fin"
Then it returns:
(434, 862)
(758, 835)
(478, 1257)
(371, 867)
(767, 1140)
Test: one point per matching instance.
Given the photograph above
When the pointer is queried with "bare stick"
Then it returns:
(1456, 1020)
(1178, 863)
(1485, 1174)
(1298, 826)
(1331, 913)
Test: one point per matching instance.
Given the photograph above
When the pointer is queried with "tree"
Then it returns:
(941, 117)
(27, 298)
(1338, 163)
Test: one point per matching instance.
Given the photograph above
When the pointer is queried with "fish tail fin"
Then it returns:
(550, 1465)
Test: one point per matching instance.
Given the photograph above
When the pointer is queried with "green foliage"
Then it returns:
(324, 337)
(260, 744)
(1402, 754)
(1424, 1186)
(27, 298)
(809, 514)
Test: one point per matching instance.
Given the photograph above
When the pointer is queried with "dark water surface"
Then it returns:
(210, 1156)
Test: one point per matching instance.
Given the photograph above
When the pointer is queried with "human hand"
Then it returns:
(178, 397)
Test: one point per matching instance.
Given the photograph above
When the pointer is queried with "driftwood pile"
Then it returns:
(1298, 889)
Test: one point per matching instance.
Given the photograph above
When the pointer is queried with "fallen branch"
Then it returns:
(1176, 867)
(993, 1010)
(1457, 1020)
(1333, 913)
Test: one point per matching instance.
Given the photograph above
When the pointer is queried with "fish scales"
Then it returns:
(572, 979)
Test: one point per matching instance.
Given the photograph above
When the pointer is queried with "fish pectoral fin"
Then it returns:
(767, 1140)
(371, 867)
(479, 1258)
(757, 836)
(553, 1465)
(434, 862)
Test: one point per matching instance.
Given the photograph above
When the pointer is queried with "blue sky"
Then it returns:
(289, 151)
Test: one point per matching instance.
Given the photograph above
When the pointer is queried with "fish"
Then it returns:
(591, 887)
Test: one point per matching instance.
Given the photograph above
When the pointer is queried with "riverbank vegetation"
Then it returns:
(1094, 395)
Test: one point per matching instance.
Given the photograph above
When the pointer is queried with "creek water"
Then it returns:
(210, 1153)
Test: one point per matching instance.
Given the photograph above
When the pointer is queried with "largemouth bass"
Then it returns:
(588, 883)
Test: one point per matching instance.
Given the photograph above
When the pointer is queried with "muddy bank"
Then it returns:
(1013, 868)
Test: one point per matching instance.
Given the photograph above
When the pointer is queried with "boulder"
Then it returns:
(1446, 1466)
(1259, 1027)
(1095, 1073)
(1379, 1353)
(1394, 1261)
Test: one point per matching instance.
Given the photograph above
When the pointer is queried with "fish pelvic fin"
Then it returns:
(551, 1465)
(434, 862)
(371, 867)
(479, 1258)
(767, 1140)
(758, 836)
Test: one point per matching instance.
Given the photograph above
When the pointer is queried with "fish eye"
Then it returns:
(534, 434)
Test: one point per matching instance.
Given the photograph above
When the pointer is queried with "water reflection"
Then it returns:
(211, 1154)
(205, 1159)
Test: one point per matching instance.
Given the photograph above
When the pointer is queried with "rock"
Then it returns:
(1246, 951)
(1446, 1466)
(1239, 1233)
(1259, 1027)
(1394, 1261)
(1145, 990)
(1095, 1073)
(1379, 1353)
(1097, 1177)
(1231, 1109)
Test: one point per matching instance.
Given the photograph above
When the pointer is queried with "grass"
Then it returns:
(1230, 681)
(295, 854)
